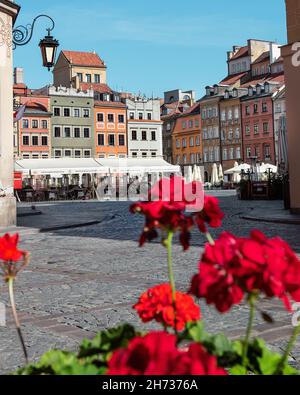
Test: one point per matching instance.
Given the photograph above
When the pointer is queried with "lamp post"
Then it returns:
(10, 38)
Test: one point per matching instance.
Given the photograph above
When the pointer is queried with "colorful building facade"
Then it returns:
(110, 117)
(231, 127)
(186, 137)
(258, 124)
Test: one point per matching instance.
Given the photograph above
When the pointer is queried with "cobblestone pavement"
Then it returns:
(84, 279)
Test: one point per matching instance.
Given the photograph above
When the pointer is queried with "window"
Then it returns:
(44, 140)
(153, 135)
(231, 153)
(238, 152)
(134, 135)
(67, 132)
(121, 118)
(205, 155)
(247, 130)
(97, 78)
(56, 111)
(100, 139)
(121, 140)
(197, 140)
(25, 140)
(149, 116)
(153, 154)
(25, 124)
(77, 153)
(57, 131)
(87, 153)
(88, 78)
(67, 112)
(111, 139)
(248, 152)
(255, 109)
(80, 77)
(57, 153)
(267, 150)
(100, 117)
(225, 154)
(77, 133)
(223, 115)
(76, 112)
(192, 141)
(34, 124)
(257, 151)
(184, 143)
(131, 115)
(256, 131)
(177, 143)
(192, 158)
(140, 115)
(191, 124)
(236, 113)
(184, 125)
(184, 158)
(266, 127)
(264, 107)
(35, 140)
(134, 154)
(197, 123)
(230, 134)
(111, 118)
(44, 124)
(25, 156)
(230, 114)
(205, 134)
(144, 154)
(35, 156)
(68, 153)
(217, 153)
(237, 133)
(86, 113)
(45, 156)
(247, 110)
(144, 135)
(86, 133)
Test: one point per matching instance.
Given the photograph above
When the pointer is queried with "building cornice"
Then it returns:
(10, 8)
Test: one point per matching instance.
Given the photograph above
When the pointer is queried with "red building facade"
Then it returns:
(257, 122)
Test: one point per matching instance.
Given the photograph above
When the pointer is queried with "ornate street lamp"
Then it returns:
(48, 45)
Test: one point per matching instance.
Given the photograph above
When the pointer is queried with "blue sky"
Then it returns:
(152, 46)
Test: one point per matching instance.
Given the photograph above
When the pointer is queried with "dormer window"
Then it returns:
(208, 91)
(258, 90)
(267, 87)
(250, 91)
(216, 90)
(234, 93)
(226, 95)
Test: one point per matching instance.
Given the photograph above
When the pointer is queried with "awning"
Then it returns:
(69, 166)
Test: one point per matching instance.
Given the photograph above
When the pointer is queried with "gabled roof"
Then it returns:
(243, 51)
(263, 57)
(232, 79)
(87, 59)
(99, 88)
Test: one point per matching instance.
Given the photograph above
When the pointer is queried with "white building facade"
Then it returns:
(144, 128)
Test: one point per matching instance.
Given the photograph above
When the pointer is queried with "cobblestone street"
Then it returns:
(84, 279)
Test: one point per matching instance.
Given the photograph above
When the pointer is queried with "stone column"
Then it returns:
(8, 13)
(291, 55)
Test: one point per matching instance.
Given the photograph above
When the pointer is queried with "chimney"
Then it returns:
(19, 75)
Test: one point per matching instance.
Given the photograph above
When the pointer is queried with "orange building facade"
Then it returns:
(110, 129)
(186, 138)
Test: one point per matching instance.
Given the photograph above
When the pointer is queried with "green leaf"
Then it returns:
(238, 370)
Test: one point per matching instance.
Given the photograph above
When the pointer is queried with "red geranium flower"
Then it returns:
(235, 266)
(156, 304)
(211, 214)
(157, 354)
(167, 211)
(9, 248)
(10, 255)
